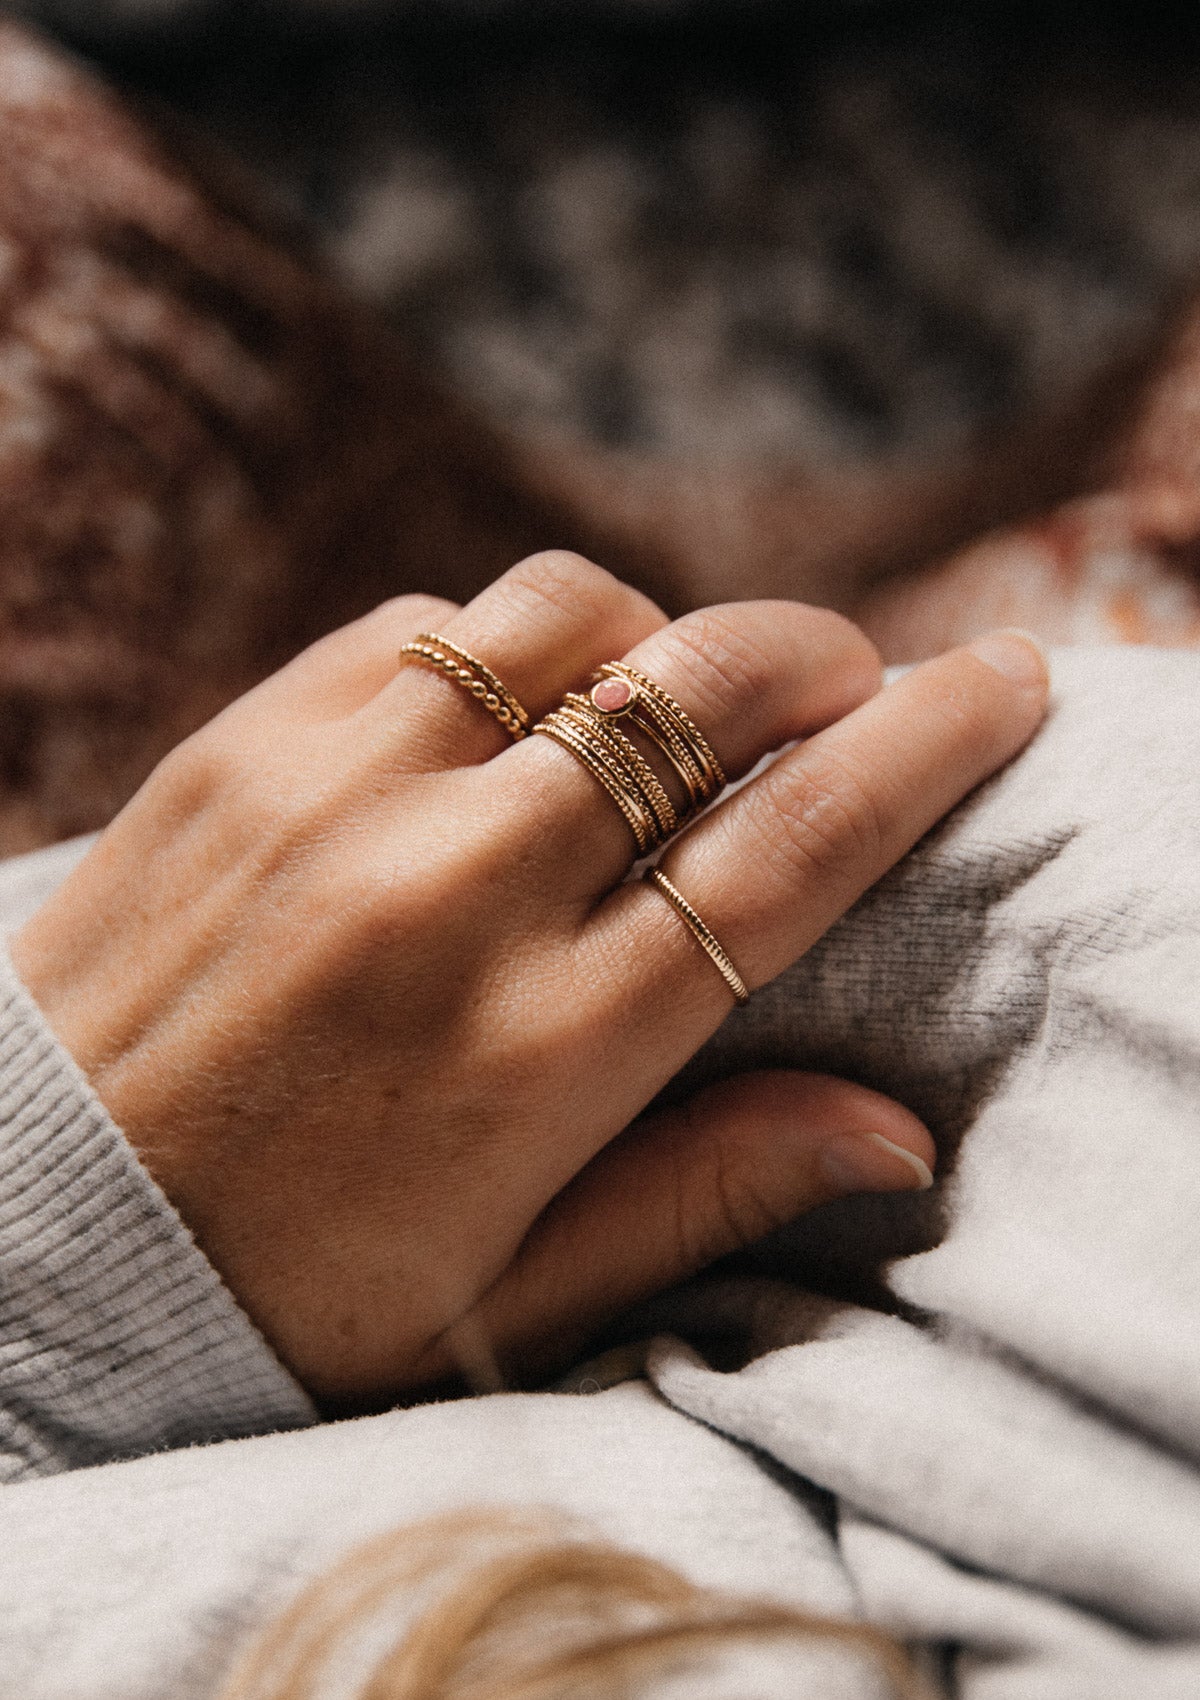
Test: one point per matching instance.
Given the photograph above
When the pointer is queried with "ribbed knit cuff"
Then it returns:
(116, 1334)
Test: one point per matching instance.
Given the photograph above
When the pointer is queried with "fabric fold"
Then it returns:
(940, 1437)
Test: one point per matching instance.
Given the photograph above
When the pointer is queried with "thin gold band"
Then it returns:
(599, 762)
(581, 709)
(620, 767)
(702, 933)
(677, 754)
(468, 671)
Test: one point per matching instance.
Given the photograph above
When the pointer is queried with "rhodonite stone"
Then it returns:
(612, 696)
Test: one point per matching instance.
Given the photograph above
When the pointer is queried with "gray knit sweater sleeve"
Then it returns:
(116, 1335)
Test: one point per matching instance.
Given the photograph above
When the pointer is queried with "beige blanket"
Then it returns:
(976, 1412)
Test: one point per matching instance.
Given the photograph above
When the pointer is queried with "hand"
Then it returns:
(361, 983)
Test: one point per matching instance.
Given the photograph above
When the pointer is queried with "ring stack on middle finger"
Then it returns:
(589, 727)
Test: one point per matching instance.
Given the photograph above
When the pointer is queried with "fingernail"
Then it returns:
(867, 1162)
(1014, 653)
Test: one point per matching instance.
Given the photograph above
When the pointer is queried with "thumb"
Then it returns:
(686, 1185)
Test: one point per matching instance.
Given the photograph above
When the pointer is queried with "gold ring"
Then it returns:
(621, 690)
(468, 671)
(702, 933)
(583, 712)
(599, 761)
(589, 726)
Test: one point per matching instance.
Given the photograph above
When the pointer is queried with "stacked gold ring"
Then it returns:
(468, 671)
(590, 727)
(662, 719)
(593, 754)
(656, 805)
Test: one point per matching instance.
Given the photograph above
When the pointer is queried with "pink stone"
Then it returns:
(611, 696)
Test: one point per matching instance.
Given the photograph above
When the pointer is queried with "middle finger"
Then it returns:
(751, 675)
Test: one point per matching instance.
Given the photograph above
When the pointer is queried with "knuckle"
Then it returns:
(850, 647)
(387, 914)
(562, 581)
(826, 819)
(540, 1042)
(741, 1210)
(748, 1212)
(838, 630)
(207, 766)
(407, 888)
(718, 1205)
(374, 896)
(246, 784)
(417, 610)
(726, 666)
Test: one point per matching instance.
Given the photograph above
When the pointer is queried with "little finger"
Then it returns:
(348, 667)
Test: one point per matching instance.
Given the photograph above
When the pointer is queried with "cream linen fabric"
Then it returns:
(992, 1450)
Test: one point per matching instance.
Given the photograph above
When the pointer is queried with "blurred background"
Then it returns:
(828, 232)
(305, 302)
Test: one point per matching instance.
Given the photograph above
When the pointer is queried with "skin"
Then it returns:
(361, 982)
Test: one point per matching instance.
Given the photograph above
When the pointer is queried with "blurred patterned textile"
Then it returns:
(304, 303)
(732, 232)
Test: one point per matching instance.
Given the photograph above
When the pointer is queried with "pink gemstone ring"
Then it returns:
(583, 725)
(622, 689)
(613, 696)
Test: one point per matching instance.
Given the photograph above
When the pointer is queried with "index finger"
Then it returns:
(772, 868)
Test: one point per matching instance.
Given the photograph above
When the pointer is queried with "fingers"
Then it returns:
(752, 675)
(690, 1184)
(776, 864)
(543, 628)
(339, 673)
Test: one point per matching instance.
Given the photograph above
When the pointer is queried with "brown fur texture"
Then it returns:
(208, 454)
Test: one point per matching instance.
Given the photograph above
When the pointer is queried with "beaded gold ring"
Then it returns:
(473, 676)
